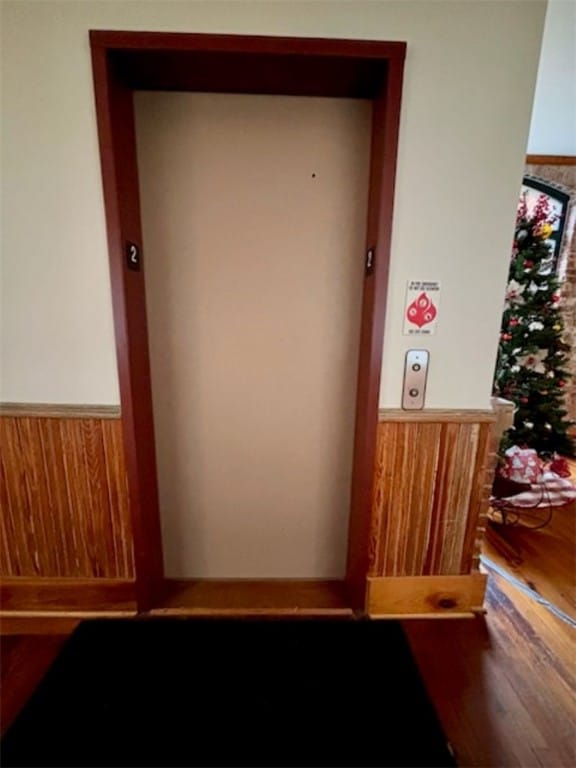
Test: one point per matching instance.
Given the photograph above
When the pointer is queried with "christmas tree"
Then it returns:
(532, 355)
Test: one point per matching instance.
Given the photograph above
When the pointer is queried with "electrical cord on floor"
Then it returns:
(514, 516)
(491, 565)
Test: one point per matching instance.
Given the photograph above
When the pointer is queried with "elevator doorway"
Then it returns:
(254, 215)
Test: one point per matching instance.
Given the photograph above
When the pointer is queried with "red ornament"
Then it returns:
(506, 336)
(528, 264)
(524, 400)
(513, 322)
(561, 383)
(555, 298)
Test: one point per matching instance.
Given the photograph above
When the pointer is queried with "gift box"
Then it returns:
(522, 465)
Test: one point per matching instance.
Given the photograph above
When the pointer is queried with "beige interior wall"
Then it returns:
(254, 213)
(468, 87)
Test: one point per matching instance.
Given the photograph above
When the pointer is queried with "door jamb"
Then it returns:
(126, 61)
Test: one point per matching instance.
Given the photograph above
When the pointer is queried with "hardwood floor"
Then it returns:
(24, 661)
(504, 685)
(543, 560)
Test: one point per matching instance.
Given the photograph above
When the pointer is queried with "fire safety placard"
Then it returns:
(421, 309)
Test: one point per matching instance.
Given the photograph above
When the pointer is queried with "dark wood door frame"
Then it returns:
(126, 61)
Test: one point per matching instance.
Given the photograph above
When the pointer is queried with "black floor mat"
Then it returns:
(200, 692)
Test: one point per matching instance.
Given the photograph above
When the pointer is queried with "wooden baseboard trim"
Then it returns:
(238, 613)
(249, 597)
(433, 616)
(425, 596)
(67, 597)
(51, 411)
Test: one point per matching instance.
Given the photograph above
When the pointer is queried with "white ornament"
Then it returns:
(536, 326)
(535, 361)
(529, 424)
(514, 292)
(515, 368)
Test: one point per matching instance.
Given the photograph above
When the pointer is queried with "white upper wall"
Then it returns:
(468, 88)
(553, 127)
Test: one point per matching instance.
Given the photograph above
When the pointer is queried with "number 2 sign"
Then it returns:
(133, 256)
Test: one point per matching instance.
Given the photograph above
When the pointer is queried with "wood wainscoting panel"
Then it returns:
(64, 498)
(429, 492)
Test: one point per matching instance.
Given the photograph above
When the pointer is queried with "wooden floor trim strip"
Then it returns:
(253, 597)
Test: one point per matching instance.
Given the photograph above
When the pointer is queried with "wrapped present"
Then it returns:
(522, 465)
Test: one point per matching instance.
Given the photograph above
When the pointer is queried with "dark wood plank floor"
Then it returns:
(24, 661)
(504, 686)
(543, 560)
